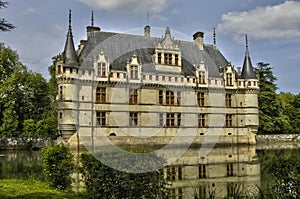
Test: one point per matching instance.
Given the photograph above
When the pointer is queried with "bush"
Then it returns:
(104, 182)
(58, 166)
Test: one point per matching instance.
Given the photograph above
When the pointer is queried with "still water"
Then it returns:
(222, 170)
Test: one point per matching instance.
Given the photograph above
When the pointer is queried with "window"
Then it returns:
(161, 119)
(178, 119)
(133, 96)
(59, 69)
(201, 77)
(228, 79)
(168, 59)
(200, 99)
(61, 93)
(83, 72)
(228, 120)
(228, 100)
(90, 72)
(170, 120)
(101, 69)
(180, 193)
(118, 75)
(179, 173)
(178, 97)
(161, 97)
(101, 94)
(170, 78)
(176, 79)
(170, 97)
(60, 115)
(176, 60)
(157, 77)
(64, 70)
(163, 78)
(150, 77)
(159, 58)
(133, 119)
(229, 169)
(101, 118)
(249, 83)
(202, 191)
(201, 120)
(202, 171)
(172, 193)
(133, 72)
(144, 77)
(71, 70)
(254, 83)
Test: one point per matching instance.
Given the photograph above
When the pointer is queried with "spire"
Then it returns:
(247, 71)
(70, 57)
(214, 35)
(92, 19)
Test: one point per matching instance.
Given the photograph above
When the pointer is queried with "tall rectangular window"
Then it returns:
(178, 119)
(159, 58)
(59, 69)
(133, 72)
(168, 59)
(229, 169)
(200, 98)
(201, 77)
(201, 120)
(228, 79)
(202, 171)
(133, 119)
(170, 120)
(133, 96)
(100, 94)
(101, 69)
(170, 97)
(228, 100)
(161, 97)
(61, 93)
(101, 118)
(176, 60)
(228, 120)
(178, 97)
(161, 119)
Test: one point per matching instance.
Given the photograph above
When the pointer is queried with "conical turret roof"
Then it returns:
(70, 57)
(247, 71)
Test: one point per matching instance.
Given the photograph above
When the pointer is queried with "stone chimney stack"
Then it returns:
(199, 39)
(147, 31)
(91, 30)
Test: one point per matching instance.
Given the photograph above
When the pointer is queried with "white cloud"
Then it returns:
(135, 6)
(29, 11)
(279, 21)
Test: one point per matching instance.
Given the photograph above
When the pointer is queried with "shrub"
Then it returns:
(58, 166)
(104, 182)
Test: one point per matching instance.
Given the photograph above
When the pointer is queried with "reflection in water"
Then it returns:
(222, 172)
(21, 164)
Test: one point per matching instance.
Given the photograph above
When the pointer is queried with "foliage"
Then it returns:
(278, 113)
(29, 189)
(104, 182)
(281, 173)
(26, 105)
(58, 166)
(4, 25)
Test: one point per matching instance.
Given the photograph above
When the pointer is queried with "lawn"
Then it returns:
(29, 189)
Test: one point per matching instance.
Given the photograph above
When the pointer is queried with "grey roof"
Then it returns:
(119, 48)
(247, 71)
(69, 55)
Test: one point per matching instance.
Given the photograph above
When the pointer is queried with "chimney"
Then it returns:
(147, 31)
(198, 38)
(91, 30)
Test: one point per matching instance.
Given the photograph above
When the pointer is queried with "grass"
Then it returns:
(29, 189)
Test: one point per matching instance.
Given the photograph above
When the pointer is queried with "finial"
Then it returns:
(70, 17)
(246, 41)
(215, 41)
(148, 17)
(92, 19)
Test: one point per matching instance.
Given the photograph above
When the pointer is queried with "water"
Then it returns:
(222, 171)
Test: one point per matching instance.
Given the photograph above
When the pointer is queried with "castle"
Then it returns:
(139, 89)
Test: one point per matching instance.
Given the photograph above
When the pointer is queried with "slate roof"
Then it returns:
(119, 48)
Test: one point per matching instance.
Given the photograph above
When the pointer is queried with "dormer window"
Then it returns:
(201, 77)
(134, 72)
(229, 79)
(176, 60)
(101, 69)
(159, 58)
(168, 58)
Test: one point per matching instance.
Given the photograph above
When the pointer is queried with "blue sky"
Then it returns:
(272, 26)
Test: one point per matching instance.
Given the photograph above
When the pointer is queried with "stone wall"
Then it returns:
(24, 143)
(278, 138)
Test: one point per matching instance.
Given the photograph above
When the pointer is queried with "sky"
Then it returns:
(272, 26)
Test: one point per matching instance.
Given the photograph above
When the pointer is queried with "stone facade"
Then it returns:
(141, 89)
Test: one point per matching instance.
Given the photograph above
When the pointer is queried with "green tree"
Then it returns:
(271, 117)
(4, 25)
(10, 120)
